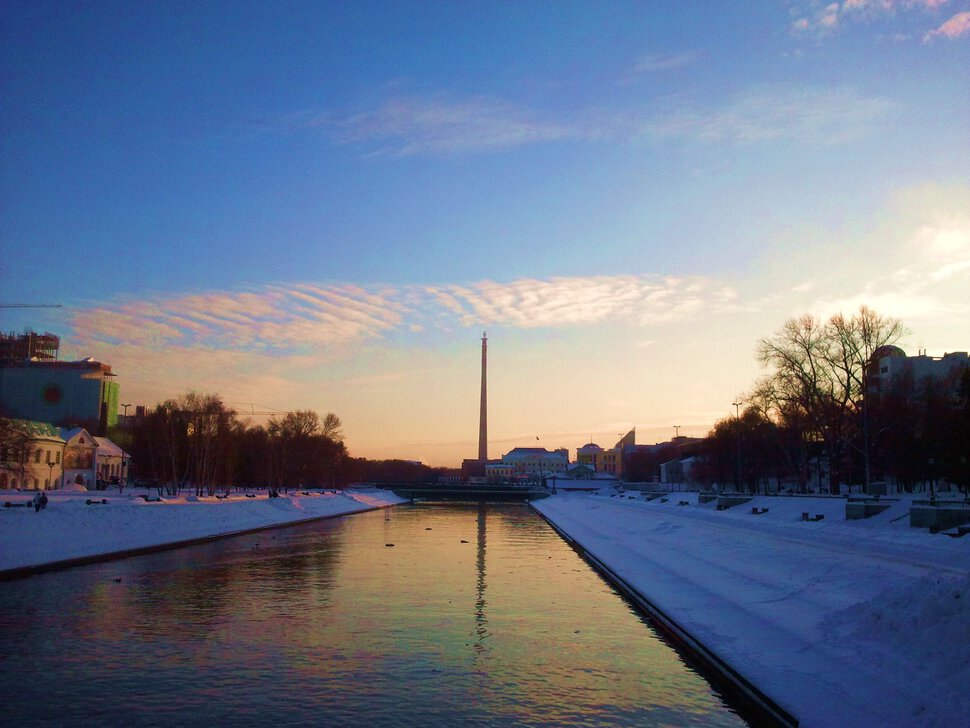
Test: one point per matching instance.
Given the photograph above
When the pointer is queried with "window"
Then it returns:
(58, 460)
(37, 455)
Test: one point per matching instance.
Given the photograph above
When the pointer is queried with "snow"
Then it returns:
(71, 528)
(842, 623)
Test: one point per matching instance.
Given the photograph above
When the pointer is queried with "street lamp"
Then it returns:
(737, 418)
(50, 471)
(676, 431)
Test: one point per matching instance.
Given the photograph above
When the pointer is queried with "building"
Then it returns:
(677, 472)
(80, 456)
(80, 393)
(531, 463)
(111, 462)
(607, 461)
(28, 346)
(588, 454)
(31, 456)
(890, 363)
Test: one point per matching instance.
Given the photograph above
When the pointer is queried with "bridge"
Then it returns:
(471, 491)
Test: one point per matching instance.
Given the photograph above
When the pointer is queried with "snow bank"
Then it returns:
(842, 623)
(84, 525)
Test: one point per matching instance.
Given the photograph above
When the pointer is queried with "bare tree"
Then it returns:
(332, 427)
(14, 447)
(190, 439)
(306, 450)
(820, 375)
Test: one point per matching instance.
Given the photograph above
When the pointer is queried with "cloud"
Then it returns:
(274, 318)
(412, 126)
(653, 63)
(409, 126)
(308, 317)
(955, 27)
(805, 115)
(821, 19)
(559, 302)
(929, 287)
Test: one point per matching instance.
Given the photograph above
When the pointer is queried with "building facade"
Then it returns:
(31, 456)
(608, 461)
(588, 454)
(80, 457)
(890, 363)
(111, 464)
(77, 393)
(531, 462)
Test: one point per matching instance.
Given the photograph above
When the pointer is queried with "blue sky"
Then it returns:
(322, 205)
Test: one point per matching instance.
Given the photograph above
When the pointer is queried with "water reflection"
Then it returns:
(481, 622)
(477, 615)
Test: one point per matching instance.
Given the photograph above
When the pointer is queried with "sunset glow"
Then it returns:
(322, 206)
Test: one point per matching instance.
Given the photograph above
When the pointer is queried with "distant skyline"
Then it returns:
(322, 205)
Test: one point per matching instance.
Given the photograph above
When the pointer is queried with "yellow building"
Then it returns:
(607, 461)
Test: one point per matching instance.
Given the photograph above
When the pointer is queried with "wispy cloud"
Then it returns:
(278, 331)
(817, 18)
(556, 302)
(955, 27)
(652, 63)
(408, 126)
(804, 115)
(308, 317)
(808, 115)
(922, 290)
(274, 318)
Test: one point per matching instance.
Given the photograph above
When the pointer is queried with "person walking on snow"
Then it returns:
(40, 501)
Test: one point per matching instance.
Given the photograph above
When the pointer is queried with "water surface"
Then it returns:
(427, 615)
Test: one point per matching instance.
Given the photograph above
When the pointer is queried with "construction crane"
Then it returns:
(31, 305)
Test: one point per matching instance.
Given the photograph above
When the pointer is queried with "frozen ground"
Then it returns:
(71, 528)
(842, 623)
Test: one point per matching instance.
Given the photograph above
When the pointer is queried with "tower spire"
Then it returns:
(483, 413)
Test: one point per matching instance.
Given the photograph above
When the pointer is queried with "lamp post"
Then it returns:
(125, 415)
(676, 431)
(737, 419)
(50, 470)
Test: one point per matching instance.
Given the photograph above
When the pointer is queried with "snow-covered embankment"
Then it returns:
(71, 528)
(861, 623)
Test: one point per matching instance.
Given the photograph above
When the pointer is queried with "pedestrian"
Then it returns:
(36, 502)
(43, 500)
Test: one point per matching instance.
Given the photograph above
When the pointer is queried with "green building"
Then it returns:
(68, 393)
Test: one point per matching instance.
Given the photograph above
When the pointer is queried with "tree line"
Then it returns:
(816, 421)
(198, 442)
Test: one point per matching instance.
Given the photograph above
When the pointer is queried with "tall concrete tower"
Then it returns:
(483, 415)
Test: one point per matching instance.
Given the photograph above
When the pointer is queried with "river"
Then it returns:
(422, 615)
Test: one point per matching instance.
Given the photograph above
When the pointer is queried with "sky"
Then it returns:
(323, 205)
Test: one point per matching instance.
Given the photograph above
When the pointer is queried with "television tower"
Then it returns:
(483, 415)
